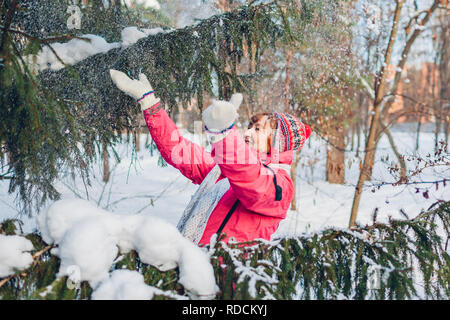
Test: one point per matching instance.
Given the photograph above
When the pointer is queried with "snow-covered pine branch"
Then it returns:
(402, 259)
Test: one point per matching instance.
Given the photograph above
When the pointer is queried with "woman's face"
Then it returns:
(260, 132)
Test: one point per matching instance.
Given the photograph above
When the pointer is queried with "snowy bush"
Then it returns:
(90, 239)
(402, 259)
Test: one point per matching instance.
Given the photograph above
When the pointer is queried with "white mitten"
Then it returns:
(141, 90)
(220, 116)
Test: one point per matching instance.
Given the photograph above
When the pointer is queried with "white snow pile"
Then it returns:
(71, 52)
(131, 35)
(123, 285)
(127, 285)
(76, 50)
(90, 238)
(14, 254)
(154, 4)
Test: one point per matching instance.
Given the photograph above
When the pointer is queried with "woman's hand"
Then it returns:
(220, 116)
(141, 90)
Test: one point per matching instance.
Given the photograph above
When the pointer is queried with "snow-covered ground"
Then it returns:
(142, 198)
(321, 204)
(141, 186)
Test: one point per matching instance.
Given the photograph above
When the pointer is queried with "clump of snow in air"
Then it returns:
(14, 254)
(90, 238)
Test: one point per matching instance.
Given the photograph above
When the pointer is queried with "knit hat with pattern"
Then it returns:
(292, 132)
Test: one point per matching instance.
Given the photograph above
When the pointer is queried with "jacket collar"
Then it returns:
(285, 157)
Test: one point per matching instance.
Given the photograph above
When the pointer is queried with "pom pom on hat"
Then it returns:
(221, 115)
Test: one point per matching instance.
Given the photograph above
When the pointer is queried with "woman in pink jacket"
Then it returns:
(245, 188)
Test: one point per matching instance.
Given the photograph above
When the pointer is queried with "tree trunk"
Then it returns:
(294, 179)
(383, 108)
(446, 132)
(358, 137)
(444, 96)
(369, 157)
(335, 168)
(287, 101)
(419, 125)
(106, 171)
(287, 82)
(147, 139)
(137, 139)
(400, 158)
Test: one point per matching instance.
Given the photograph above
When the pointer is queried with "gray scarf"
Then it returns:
(195, 217)
(193, 221)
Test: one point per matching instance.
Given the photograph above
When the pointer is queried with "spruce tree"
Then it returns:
(57, 121)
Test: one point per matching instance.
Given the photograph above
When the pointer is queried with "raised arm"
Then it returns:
(191, 159)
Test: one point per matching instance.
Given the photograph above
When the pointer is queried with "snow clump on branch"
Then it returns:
(90, 238)
(14, 254)
(83, 47)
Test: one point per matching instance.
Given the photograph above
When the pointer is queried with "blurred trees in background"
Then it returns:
(395, 39)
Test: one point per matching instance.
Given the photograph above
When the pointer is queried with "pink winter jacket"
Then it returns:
(257, 214)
